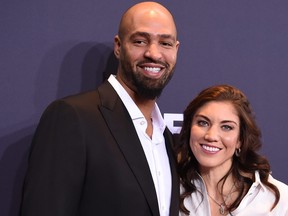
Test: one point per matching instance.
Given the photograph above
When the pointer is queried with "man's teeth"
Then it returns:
(152, 69)
(211, 149)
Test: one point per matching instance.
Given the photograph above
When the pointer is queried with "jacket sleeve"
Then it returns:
(56, 166)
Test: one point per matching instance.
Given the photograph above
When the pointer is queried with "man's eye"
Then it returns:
(166, 44)
(139, 42)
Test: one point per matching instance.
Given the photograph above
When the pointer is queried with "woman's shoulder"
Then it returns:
(279, 184)
(282, 207)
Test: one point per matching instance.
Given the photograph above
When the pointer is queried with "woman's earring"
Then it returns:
(237, 152)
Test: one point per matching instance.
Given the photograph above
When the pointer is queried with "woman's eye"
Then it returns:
(202, 123)
(227, 127)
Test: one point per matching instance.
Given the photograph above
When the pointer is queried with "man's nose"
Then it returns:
(153, 52)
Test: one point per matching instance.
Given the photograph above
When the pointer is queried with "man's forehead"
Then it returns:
(157, 24)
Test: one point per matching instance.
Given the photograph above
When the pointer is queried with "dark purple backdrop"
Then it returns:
(49, 49)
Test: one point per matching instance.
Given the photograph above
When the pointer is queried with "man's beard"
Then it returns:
(146, 87)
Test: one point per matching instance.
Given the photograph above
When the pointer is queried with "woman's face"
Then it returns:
(214, 135)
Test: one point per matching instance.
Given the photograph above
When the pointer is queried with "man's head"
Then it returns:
(146, 46)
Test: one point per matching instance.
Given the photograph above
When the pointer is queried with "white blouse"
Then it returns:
(257, 202)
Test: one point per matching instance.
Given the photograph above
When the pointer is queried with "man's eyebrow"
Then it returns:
(143, 34)
(147, 35)
(167, 36)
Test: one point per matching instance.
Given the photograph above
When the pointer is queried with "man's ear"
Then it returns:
(117, 45)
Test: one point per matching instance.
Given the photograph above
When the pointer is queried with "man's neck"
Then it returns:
(145, 105)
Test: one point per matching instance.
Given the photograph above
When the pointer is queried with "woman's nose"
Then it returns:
(212, 135)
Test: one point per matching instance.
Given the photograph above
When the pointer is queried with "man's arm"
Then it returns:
(56, 165)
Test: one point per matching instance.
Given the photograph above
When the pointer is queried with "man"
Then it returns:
(108, 152)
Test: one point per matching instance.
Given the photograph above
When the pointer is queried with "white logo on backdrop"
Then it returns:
(173, 121)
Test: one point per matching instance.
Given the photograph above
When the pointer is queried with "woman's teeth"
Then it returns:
(210, 148)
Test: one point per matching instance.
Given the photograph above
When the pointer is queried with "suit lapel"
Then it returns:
(175, 193)
(122, 128)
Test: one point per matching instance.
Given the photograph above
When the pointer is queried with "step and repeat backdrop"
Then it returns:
(51, 49)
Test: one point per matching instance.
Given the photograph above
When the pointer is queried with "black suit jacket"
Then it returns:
(86, 160)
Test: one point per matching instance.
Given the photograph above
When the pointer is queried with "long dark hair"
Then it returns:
(247, 162)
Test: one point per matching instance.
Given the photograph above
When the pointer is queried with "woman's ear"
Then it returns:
(238, 149)
(238, 145)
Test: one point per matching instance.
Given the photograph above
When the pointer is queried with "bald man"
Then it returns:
(108, 151)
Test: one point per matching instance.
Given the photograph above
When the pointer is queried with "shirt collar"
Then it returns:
(258, 181)
(132, 108)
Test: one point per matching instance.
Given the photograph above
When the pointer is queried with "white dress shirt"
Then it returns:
(154, 149)
(257, 202)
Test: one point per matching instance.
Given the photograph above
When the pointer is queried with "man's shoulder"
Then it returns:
(77, 102)
(80, 97)
(91, 97)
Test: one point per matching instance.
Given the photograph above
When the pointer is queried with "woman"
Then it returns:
(221, 172)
